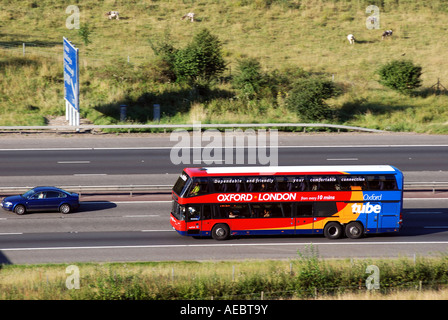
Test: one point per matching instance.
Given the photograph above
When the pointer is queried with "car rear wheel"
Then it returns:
(20, 209)
(64, 208)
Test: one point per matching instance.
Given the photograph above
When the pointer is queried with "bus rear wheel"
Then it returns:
(333, 230)
(354, 230)
(221, 231)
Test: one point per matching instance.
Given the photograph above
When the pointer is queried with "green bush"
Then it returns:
(249, 78)
(307, 99)
(401, 75)
(84, 32)
(200, 60)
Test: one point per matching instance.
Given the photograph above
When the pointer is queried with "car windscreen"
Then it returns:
(28, 193)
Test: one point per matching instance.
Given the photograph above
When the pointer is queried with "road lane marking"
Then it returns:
(142, 216)
(436, 227)
(233, 147)
(74, 162)
(157, 246)
(425, 212)
(421, 199)
(142, 201)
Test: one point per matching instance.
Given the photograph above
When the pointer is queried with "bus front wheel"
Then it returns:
(221, 232)
(333, 230)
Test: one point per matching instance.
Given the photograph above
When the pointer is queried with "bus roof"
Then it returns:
(290, 170)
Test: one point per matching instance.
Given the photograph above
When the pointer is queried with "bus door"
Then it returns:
(193, 219)
(388, 220)
(303, 218)
(373, 211)
(198, 219)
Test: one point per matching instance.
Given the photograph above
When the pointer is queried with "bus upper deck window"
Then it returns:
(198, 187)
(382, 183)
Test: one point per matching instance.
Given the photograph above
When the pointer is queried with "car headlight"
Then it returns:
(7, 204)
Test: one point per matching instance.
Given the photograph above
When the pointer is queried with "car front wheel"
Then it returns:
(20, 209)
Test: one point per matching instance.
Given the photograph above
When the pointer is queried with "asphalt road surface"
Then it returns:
(114, 160)
(157, 160)
(140, 231)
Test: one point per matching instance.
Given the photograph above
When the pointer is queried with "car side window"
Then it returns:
(39, 195)
(52, 194)
(62, 195)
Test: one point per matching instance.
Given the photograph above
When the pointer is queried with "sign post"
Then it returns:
(71, 83)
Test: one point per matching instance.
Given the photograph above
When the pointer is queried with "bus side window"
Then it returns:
(218, 186)
(206, 212)
(260, 184)
(344, 184)
(375, 183)
(250, 186)
(282, 184)
(255, 211)
(391, 183)
(198, 187)
(270, 185)
(382, 182)
(242, 210)
(228, 185)
(298, 184)
(287, 210)
(286, 184)
(324, 183)
(220, 211)
(304, 210)
(276, 211)
(325, 209)
(234, 211)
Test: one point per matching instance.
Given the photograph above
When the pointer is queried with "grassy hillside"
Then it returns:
(281, 34)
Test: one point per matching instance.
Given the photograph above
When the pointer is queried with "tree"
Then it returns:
(249, 79)
(200, 60)
(307, 98)
(85, 31)
(164, 52)
(401, 75)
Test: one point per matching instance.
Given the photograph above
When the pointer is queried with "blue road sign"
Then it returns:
(71, 74)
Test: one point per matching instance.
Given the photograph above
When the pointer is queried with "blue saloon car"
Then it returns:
(42, 199)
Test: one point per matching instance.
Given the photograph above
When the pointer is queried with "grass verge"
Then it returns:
(307, 277)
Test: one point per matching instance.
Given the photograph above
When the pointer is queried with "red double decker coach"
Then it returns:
(332, 200)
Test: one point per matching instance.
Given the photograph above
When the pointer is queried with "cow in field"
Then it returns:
(387, 33)
(351, 38)
(113, 14)
(190, 16)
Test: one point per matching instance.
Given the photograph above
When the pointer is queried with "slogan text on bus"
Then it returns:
(247, 197)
